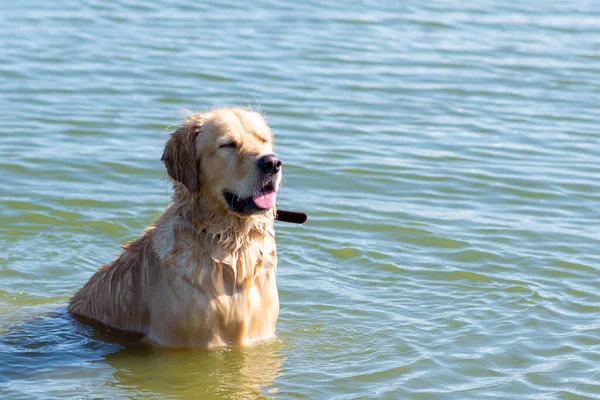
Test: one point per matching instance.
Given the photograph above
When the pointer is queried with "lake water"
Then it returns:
(447, 154)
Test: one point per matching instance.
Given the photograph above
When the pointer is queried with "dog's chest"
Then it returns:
(218, 297)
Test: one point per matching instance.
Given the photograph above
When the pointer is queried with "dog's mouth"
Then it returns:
(260, 201)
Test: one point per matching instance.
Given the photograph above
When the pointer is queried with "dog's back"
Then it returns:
(118, 294)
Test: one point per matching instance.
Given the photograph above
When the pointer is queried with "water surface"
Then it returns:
(446, 153)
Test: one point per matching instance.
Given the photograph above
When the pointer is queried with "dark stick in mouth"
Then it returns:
(291, 216)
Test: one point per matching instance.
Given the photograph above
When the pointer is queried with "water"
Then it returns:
(446, 153)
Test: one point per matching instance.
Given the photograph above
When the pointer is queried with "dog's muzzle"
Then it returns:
(264, 197)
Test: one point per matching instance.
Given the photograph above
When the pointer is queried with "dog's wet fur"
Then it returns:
(204, 273)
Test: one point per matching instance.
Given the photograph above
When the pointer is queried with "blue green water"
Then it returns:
(446, 153)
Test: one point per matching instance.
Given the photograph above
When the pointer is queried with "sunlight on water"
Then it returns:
(446, 153)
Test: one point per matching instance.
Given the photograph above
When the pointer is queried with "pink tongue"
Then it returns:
(264, 199)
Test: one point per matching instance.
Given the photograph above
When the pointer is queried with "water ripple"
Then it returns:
(446, 154)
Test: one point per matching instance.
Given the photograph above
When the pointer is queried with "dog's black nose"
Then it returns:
(269, 163)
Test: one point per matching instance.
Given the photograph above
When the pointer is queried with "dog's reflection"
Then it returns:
(110, 363)
(231, 372)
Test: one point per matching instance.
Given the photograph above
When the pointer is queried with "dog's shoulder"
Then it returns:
(116, 294)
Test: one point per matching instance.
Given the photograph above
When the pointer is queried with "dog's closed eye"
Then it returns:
(228, 145)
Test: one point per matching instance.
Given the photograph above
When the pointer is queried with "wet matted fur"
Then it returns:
(204, 273)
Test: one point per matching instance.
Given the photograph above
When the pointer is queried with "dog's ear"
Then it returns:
(180, 156)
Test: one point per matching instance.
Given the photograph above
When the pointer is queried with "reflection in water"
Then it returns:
(54, 347)
(232, 372)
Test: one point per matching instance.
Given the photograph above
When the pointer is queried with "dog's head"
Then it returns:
(226, 154)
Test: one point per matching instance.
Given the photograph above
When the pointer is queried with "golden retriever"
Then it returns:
(204, 273)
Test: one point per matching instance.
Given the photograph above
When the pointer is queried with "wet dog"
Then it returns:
(204, 273)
